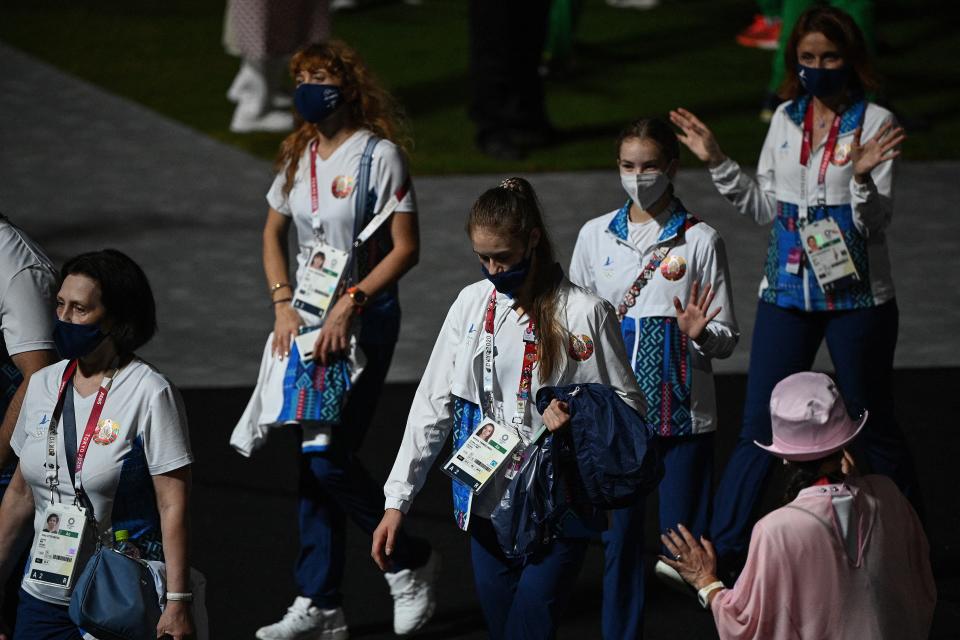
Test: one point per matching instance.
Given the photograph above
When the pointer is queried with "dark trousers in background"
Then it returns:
(523, 600)
(785, 341)
(685, 495)
(334, 485)
(506, 48)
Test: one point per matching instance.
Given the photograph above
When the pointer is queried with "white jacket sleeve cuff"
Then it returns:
(396, 503)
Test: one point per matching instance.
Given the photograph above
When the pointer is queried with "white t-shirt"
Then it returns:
(141, 433)
(28, 288)
(644, 235)
(336, 191)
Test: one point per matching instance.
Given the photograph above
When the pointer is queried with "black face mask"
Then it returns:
(76, 340)
(509, 282)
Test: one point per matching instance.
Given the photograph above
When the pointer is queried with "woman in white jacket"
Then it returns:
(825, 182)
(547, 332)
(667, 272)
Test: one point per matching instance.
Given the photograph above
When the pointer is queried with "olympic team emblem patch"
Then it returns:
(673, 268)
(342, 186)
(841, 154)
(581, 347)
(107, 431)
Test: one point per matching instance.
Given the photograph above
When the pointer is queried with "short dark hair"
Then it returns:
(125, 292)
(840, 29)
(653, 129)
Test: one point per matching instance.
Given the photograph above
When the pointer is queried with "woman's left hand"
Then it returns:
(880, 148)
(695, 318)
(695, 560)
(335, 337)
(176, 621)
(556, 416)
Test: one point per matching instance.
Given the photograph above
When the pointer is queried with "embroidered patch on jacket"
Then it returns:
(107, 431)
(581, 347)
(673, 267)
(342, 186)
(841, 154)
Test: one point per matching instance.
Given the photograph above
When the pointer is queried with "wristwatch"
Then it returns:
(358, 296)
(704, 594)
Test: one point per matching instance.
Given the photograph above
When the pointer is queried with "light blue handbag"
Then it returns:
(115, 598)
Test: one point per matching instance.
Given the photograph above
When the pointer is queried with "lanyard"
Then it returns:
(52, 467)
(374, 223)
(526, 372)
(806, 150)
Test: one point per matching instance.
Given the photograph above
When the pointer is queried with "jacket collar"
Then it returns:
(620, 228)
(850, 119)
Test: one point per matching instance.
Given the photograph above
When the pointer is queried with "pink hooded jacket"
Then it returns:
(841, 562)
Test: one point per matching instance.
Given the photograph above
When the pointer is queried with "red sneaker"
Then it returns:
(763, 33)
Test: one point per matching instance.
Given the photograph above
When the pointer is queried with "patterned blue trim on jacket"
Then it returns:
(620, 224)
(785, 289)
(10, 379)
(466, 420)
(312, 392)
(663, 369)
(850, 119)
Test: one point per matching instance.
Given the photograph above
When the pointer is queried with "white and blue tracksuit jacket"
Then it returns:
(673, 372)
(862, 212)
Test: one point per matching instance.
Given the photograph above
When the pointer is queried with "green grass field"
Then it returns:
(168, 56)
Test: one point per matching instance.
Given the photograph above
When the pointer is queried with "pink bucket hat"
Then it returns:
(808, 418)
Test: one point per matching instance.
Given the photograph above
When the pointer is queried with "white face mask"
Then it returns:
(645, 188)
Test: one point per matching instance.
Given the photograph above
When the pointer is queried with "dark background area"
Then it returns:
(245, 531)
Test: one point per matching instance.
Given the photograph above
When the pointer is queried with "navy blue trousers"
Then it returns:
(523, 600)
(39, 620)
(785, 341)
(335, 485)
(684, 496)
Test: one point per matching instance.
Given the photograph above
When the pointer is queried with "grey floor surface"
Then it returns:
(82, 169)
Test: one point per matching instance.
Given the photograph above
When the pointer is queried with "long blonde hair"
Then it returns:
(513, 210)
(370, 105)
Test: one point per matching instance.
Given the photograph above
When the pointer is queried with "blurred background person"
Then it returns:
(507, 102)
(28, 286)
(264, 34)
(764, 31)
(846, 558)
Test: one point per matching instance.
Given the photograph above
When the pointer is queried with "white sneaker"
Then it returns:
(414, 600)
(303, 621)
(641, 5)
(245, 121)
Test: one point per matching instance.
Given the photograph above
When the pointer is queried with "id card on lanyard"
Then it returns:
(326, 265)
(56, 546)
(494, 443)
(821, 241)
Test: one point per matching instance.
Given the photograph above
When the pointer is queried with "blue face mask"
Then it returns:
(509, 282)
(317, 101)
(823, 83)
(76, 340)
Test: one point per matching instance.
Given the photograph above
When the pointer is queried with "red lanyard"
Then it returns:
(529, 360)
(314, 192)
(807, 148)
(84, 445)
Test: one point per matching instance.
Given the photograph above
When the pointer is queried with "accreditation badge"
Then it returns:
(321, 279)
(482, 455)
(827, 254)
(56, 546)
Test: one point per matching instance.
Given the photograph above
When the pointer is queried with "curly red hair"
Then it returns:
(370, 105)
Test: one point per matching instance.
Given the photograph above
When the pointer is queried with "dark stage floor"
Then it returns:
(245, 535)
